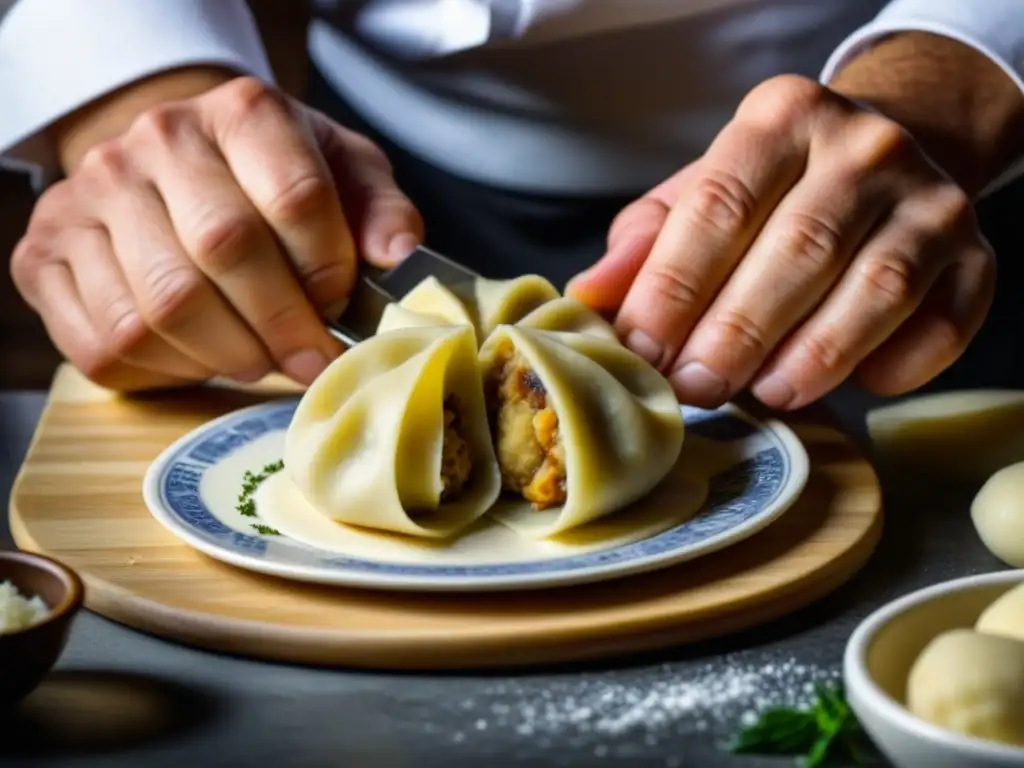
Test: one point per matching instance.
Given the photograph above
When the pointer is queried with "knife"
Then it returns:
(374, 289)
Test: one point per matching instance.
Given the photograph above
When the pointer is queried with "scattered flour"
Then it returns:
(663, 701)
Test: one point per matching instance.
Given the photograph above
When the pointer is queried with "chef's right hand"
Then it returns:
(210, 238)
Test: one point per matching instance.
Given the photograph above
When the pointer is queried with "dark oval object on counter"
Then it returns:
(27, 656)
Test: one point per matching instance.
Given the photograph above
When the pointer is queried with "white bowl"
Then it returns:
(878, 659)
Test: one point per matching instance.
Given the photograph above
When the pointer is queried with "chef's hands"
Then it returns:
(812, 241)
(209, 239)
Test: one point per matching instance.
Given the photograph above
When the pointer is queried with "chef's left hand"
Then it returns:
(812, 241)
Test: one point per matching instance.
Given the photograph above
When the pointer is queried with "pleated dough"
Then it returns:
(370, 440)
(484, 304)
(570, 316)
(582, 426)
(504, 302)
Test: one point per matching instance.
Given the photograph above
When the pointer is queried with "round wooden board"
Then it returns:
(77, 499)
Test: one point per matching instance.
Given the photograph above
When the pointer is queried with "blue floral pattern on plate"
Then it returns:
(737, 497)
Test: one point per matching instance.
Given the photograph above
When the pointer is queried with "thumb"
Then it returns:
(384, 222)
(603, 287)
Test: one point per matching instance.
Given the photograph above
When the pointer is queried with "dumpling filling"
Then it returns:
(525, 429)
(456, 460)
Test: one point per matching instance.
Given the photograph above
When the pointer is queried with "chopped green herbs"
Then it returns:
(246, 505)
(828, 730)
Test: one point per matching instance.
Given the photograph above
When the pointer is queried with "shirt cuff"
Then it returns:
(59, 55)
(997, 32)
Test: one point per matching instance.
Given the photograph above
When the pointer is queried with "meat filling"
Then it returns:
(525, 429)
(456, 460)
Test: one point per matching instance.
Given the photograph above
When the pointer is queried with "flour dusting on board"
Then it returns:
(714, 697)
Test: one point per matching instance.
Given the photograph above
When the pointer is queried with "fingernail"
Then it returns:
(649, 349)
(774, 391)
(697, 384)
(333, 312)
(251, 376)
(306, 365)
(401, 246)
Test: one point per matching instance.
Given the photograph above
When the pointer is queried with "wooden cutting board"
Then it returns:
(78, 499)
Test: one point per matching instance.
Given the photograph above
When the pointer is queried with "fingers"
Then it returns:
(883, 286)
(110, 306)
(172, 296)
(604, 286)
(795, 260)
(56, 298)
(275, 161)
(720, 209)
(227, 239)
(386, 225)
(938, 332)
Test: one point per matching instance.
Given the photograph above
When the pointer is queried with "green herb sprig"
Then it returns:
(246, 505)
(827, 731)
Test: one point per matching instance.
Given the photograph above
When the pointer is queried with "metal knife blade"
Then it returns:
(375, 289)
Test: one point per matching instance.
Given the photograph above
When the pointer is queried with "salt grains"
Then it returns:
(712, 697)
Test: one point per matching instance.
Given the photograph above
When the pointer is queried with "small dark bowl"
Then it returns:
(27, 656)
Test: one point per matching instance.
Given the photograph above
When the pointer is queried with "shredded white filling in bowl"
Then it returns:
(18, 612)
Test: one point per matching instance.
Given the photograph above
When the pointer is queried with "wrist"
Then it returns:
(963, 109)
(111, 115)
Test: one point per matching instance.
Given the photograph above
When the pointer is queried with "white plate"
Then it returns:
(735, 476)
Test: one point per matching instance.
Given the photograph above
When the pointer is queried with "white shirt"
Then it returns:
(547, 96)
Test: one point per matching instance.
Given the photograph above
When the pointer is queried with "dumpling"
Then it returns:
(429, 303)
(998, 514)
(394, 435)
(570, 316)
(484, 304)
(582, 426)
(972, 684)
(1005, 616)
(504, 302)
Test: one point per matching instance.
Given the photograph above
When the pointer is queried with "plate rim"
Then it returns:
(792, 449)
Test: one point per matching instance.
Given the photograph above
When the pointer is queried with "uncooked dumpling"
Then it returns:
(966, 435)
(570, 316)
(393, 435)
(972, 684)
(1005, 616)
(582, 426)
(504, 302)
(483, 304)
(429, 303)
(998, 514)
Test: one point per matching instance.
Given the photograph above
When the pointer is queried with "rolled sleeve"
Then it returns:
(58, 55)
(995, 28)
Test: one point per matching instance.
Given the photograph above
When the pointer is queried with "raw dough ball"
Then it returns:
(998, 514)
(1005, 616)
(972, 684)
(964, 435)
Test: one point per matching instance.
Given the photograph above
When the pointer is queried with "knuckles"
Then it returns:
(123, 326)
(674, 286)
(171, 297)
(784, 101)
(809, 243)
(244, 97)
(891, 279)
(722, 202)
(160, 127)
(222, 242)
(28, 256)
(301, 199)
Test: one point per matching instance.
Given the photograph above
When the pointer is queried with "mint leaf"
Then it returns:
(829, 729)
